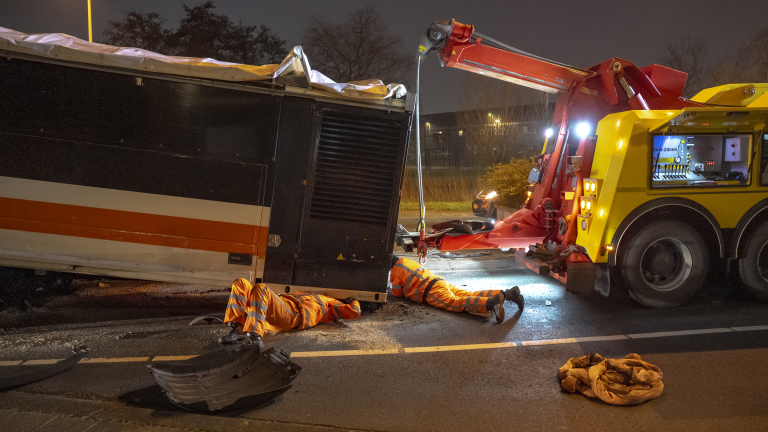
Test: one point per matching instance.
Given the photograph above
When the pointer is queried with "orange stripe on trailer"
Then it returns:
(131, 227)
(262, 241)
(122, 220)
(126, 236)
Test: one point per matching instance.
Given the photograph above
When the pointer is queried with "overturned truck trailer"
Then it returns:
(121, 162)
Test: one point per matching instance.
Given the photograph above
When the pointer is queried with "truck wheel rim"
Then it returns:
(762, 262)
(666, 264)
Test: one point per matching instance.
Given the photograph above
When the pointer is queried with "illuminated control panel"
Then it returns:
(699, 160)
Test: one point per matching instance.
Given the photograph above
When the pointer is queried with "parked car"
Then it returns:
(484, 204)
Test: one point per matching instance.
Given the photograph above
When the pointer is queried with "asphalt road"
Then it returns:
(383, 372)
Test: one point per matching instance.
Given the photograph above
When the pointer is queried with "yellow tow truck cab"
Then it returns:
(672, 192)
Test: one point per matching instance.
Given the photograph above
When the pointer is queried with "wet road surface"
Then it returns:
(398, 367)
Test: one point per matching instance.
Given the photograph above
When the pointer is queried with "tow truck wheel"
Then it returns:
(753, 268)
(665, 264)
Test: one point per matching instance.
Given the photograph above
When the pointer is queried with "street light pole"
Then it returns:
(90, 23)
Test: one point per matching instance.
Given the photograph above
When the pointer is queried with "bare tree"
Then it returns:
(358, 47)
(140, 30)
(724, 71)
(689, 55)
(748, 64)
(753, 58)
(201, 33)
(505, 123)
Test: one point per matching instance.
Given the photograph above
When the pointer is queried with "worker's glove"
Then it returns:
(348, 300)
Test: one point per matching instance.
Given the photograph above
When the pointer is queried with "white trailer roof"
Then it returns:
(69, 48)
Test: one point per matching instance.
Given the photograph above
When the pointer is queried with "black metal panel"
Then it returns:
(132, 170)
(356, 168)
(348, 230)
(371, 279)
(107, 130)
(158, 115)
(289, 174)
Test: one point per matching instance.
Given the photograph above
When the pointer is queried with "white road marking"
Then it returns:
(751, 328)
(679, 333)
(10, 362)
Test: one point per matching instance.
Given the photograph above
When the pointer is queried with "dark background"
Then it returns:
(580, 33)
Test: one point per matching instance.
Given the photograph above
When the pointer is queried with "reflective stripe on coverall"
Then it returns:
(258, 308)
(411, 281)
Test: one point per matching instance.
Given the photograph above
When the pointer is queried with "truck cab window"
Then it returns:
(700, 160)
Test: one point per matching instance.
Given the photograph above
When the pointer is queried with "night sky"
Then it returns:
(580, 33)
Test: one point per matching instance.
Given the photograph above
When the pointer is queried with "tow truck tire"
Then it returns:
(665, 264)
(753, 267)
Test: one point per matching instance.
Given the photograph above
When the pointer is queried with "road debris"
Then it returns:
(11, 382)
(226, 379)
(206, 320)
(627, 381)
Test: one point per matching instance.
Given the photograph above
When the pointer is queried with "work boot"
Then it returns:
(495, 304)
(513, 295)
(235, 334)
(255, 339)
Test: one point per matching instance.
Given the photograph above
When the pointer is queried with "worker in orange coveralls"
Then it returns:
(412, 281)
(255, 308)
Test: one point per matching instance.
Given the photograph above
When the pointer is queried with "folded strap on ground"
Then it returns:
(626, 381)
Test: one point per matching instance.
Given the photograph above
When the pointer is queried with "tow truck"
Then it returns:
(637, 187)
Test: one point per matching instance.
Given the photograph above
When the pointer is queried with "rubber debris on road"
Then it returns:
(226, 379)
(627, 381)
(206, 320)
(56, 368)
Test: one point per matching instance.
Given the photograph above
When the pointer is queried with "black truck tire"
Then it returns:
(753, 266)
(665, 264)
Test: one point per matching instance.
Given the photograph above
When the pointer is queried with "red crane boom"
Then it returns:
(585, 95)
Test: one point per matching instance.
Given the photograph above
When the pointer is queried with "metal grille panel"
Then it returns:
(356, 168)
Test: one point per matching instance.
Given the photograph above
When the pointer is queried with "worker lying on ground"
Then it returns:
(254, 309)
(412, 281)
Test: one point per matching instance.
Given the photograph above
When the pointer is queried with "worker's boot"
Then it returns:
(255, 339)
(235, 334)
(513, 295)
(495, 304)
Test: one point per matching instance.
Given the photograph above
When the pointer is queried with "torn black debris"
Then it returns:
(226, 379)
(23, 379)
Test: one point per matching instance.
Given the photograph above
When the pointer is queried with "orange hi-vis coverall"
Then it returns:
(411, 281)
(258, 308)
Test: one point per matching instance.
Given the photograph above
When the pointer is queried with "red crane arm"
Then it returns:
(621, 84)
(463, 51)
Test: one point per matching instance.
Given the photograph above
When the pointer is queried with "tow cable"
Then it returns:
(421, 248)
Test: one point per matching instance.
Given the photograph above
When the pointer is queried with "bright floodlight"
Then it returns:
(583, 129)
(548, 133)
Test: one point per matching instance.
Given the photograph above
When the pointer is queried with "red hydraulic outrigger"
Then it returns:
(585, 96)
